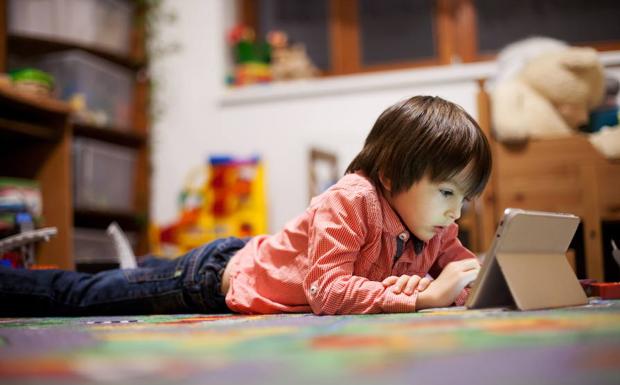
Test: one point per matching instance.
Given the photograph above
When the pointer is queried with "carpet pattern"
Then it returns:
(562, 346)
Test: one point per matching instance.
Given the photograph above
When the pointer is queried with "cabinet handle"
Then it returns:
(519, 197)
(613, 209)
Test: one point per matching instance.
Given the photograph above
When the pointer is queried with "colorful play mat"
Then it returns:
(452, 346)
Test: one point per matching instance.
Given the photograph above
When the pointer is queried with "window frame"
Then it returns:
(456, 36)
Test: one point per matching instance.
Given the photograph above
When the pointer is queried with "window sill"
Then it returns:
(351, 84)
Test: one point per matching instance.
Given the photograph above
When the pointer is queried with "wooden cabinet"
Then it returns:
(562, 175)
(565, 174)
(36, 137)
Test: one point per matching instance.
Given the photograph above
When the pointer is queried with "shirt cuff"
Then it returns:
(460, 300)
(399, 303)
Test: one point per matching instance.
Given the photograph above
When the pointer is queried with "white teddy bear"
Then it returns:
(546, 89)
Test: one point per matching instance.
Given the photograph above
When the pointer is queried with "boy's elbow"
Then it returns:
(320, 298)
(326, 301)
(330, 299)
(321, 306)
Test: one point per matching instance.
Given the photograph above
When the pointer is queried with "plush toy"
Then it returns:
(546, 89)
(288, 61)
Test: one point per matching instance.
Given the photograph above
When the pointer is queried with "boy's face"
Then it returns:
(426, 208)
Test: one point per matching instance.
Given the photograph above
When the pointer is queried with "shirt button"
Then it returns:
(403, 236)
(313, 289)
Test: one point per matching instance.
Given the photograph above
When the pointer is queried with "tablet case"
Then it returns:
(539, 281)
(530, 269)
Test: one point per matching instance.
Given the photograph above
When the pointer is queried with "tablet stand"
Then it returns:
(540, 280)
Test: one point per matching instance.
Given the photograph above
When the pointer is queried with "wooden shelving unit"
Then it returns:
(36, 136)
(29, 45)
(35, 143)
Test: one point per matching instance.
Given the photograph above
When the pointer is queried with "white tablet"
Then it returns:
(526, 265)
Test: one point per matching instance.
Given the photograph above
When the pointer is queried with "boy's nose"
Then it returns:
(455, 213)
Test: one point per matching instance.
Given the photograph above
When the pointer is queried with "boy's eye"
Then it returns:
(446, 193)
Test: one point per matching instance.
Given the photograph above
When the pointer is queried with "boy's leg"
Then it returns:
(187, 284)
(68, 293)
(202, 283)
(150, 260)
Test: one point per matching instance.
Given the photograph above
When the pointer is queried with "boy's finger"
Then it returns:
(389, 281)
(423, 284)
(469, 263)
(470, 276)
(400, 284)
(412, 284)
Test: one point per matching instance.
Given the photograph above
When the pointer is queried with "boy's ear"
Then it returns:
(385, 182)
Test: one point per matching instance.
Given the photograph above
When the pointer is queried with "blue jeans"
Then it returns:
(189, 284)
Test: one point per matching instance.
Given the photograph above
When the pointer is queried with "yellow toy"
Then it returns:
(230, 201)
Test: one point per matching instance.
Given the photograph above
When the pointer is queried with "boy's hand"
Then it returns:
(407, 284)
(452, 280)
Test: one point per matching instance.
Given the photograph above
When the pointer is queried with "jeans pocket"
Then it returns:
(166, 271)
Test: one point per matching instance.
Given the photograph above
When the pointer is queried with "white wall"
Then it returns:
(283, 131)
(201, 117)
(187, 85)
(280, 122)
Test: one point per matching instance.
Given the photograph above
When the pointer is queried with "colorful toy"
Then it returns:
(251, 58)
(32, 81)
(288, 61)
(26, 241)
(228, 201)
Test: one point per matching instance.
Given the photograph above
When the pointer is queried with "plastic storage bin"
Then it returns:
(98, 23)
(95, 246)
(104, 175)
(106, 87)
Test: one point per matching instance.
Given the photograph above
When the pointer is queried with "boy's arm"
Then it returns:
(452, 250)
(340, 229)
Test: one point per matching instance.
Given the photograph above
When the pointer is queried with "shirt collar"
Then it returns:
(418, 245)
(395, 227)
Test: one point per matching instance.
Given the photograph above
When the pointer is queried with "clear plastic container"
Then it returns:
(98, 23)
(106, 87)
(95, 246)
(104, 175)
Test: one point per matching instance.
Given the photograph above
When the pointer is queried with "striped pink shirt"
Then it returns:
(332, 258)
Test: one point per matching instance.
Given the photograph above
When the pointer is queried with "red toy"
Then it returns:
(606, 290)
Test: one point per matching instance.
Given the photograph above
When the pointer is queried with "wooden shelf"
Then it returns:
(14, 99)
(17, 99)
(101, 219)
(613, 217)
(110, 134)
(27, 130)
(26, 45)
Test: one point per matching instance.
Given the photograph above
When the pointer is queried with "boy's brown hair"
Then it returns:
(420, 135)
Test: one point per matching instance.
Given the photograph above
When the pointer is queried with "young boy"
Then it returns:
(382, 239)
